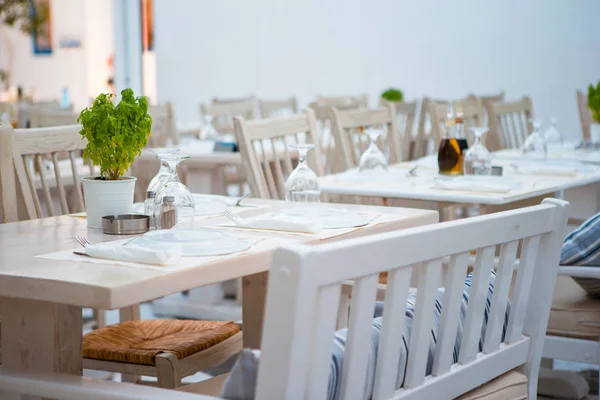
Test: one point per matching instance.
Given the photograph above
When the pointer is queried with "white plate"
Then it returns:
(193, 242)
(330, 218)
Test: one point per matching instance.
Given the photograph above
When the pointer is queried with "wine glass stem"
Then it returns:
(302, 155)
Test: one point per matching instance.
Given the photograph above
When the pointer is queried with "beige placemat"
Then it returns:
(377, 219)
(256, 245)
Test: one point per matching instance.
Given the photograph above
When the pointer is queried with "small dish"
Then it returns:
(127, 224)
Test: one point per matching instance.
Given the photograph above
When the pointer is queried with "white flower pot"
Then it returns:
(595, 132)
(104, 198)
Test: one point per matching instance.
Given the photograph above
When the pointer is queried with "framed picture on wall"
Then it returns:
(147, 26)
(42, 39)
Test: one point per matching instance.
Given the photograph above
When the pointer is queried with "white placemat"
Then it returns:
(324, 234)
(256, 245)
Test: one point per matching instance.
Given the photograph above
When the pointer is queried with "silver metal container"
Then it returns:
(128, 224)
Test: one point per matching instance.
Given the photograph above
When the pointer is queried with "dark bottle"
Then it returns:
(453, 144)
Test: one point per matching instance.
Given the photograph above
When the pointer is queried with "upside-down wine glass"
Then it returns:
(303, 184)
(208, 131)
(162, 176)
(176, 194)
(372, 159)
(477, 160)
(535, 145)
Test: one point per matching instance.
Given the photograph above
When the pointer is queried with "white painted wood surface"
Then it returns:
(300, 274)
(510, 122)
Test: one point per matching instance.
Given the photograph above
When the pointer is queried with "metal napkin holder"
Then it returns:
(127, 224)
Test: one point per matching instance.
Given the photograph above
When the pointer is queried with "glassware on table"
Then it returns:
(454, 143)
(208, 131)
(372, 159)
(302, 185)
(174, 195)
(554, 139)
(477, 160)
(535, 145)
(162, 175)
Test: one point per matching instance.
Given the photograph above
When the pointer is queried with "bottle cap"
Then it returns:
(150, 194)
(168, 199)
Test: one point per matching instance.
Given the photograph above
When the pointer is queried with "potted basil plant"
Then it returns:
(116, 135)
(594, 106)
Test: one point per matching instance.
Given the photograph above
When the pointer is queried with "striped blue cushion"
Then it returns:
(582, 248)
(241, 383)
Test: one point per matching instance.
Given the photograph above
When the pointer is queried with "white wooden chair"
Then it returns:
(573, 333)
(473, 116)
(26, 152)
(44, 118)
(164, 126)
(221, 114)
(406, 114)
(509, 123)
(343, 102)
(350, 142)
(585, 115)
(16, 147)
(264, 146)
(278, 108)
(223, 111)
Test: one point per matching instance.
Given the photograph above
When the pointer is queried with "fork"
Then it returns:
(236, 219)
(82, 240)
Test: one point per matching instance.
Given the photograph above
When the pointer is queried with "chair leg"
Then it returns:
(131, 313)
(167, 371)
(100, 318)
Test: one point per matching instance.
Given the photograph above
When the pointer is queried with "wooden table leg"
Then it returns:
(41, 336)
(254, 296)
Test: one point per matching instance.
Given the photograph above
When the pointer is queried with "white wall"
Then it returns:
(542, 48)
(83, 70)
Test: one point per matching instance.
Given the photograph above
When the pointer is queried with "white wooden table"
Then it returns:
(42, 299)
(567, 153)
(581, 189)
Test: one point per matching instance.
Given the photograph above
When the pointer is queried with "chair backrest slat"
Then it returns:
(350, 142)
(164, 126)
(35, 153)
(344, 102)
(42, 174)
(585, 115)
(275, 108)
(509, 123)
(429, 279)
(359, 333)
(477, 301)
(388, 354)
(40, 117)
(61, 189)
(223, 112)
(328, 301)
(518, 309)
(264, 148)
(454, 286)
(497, 314)
(304, 294)
(406, 114)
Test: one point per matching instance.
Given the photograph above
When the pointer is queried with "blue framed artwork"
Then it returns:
(42, 40)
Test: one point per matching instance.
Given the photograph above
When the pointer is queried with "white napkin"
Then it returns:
(278, 222)
(472, 186)
(131, 253)
(549, 170)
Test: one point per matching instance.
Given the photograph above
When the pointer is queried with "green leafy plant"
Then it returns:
(393, 94)
(115, 134)
(594, 101)
(29, 16)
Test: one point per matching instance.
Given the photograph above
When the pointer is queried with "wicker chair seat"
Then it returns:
(138, 342)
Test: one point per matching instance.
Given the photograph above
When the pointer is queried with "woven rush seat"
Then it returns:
(139, 342)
